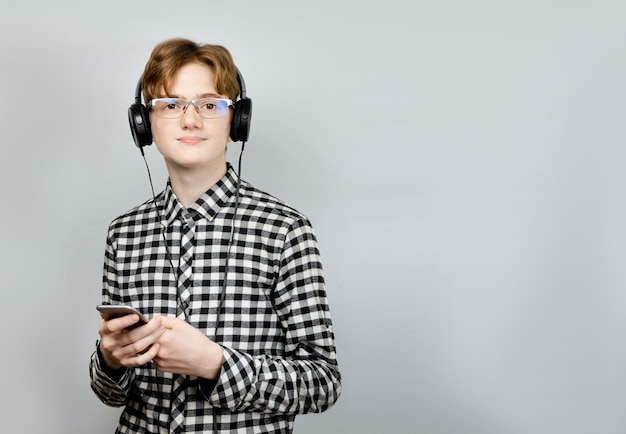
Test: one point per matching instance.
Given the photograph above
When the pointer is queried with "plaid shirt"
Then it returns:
(274, 324)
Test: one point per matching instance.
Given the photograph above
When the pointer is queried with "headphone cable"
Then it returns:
(230, 242)
(222, 295)
(160, 215)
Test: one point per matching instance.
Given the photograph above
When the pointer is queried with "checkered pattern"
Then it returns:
(274, 324)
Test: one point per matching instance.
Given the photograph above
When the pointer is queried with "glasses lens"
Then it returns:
(169, 108)
(210, 108)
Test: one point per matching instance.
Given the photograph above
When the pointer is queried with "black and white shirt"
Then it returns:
(274, 322)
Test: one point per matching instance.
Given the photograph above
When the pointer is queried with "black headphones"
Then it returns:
(239, 127)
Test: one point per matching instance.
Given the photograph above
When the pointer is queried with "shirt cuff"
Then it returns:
(233, 383)
(114, 374)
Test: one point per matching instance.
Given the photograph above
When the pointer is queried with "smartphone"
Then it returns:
(110, 311)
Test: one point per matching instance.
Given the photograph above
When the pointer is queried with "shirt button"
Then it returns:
(186, 258)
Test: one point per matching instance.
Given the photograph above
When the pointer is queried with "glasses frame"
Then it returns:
(188, 102)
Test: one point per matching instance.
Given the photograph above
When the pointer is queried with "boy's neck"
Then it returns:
(188, 185)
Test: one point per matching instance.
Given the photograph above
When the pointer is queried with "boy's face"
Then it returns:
(192, 142)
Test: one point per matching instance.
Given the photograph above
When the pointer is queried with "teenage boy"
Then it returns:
(240, 337)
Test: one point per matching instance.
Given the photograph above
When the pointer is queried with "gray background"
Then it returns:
(462, 163)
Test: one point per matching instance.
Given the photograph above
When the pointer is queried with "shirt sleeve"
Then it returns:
(306, 379)
(111, 388)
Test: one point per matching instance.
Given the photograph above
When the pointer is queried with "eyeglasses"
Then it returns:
(174, 108)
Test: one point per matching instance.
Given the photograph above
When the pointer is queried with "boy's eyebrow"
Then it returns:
(211, 95)
(204, 95)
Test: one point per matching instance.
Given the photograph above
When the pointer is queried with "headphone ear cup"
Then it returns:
(140, 125)
(240, 126)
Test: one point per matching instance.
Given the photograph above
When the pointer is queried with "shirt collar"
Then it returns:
(208, 205)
